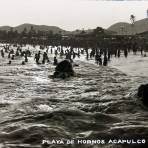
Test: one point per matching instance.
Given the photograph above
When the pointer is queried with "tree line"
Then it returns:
(94, 39)
(29, 37)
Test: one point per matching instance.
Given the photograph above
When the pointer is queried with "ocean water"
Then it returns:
(98, 103)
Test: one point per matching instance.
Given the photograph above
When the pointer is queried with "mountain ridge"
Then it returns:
(28, 26)
(45, 28)
(139, 26)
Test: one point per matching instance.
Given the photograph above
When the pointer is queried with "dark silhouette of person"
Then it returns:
(2, 53)
(118, 52)
(45, 58)
(105, 60)
(12, 58)
(37, 57)
(98, 59)
(55, 61)
(26, 58)
(9, 62)
(23, 62)
(9, 55)
(17, 52)
(125, 53)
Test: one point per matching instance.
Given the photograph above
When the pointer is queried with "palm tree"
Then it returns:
(132, 18)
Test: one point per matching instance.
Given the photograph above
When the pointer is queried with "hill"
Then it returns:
(140, 26)
(45, 28)
(37, 28)
(7, 28)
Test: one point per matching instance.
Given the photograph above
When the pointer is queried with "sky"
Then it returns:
(70, 14)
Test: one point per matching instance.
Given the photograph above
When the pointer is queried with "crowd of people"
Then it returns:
(101, 54)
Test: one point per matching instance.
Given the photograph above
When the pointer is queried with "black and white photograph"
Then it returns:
(73, 73)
